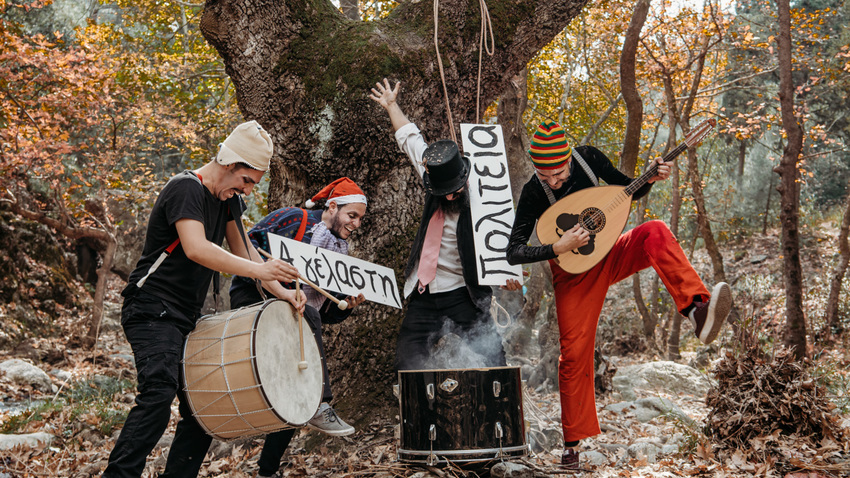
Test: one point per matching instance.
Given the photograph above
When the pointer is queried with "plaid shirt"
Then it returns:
(322, 237)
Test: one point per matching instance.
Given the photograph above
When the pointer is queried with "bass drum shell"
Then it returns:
(461, 415)
(241, 374)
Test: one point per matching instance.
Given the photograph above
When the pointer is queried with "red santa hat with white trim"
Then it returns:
(342, 191)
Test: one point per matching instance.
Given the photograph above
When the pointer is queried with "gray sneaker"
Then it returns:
(327, 421)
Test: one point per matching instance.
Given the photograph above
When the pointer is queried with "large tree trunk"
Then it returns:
(303, 71)
(840, 269)
(789, 191)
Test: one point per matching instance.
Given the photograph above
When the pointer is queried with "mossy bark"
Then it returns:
(303, 71)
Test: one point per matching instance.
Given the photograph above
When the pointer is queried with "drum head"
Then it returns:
(293, 393)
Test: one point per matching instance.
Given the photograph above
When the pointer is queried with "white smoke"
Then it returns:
(454, 347)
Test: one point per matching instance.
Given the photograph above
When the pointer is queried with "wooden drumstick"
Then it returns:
(342, 304)
(303, 363)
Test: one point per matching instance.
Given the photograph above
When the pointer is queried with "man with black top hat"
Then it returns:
(440, 277)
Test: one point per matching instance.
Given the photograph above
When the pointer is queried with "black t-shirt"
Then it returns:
(178, 280)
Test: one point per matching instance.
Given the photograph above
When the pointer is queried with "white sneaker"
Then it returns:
(327, 421)
(708, 317)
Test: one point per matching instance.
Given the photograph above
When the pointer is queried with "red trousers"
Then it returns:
(579, 299)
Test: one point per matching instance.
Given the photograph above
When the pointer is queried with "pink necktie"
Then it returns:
(430, 250)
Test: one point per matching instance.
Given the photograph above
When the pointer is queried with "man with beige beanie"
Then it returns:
(194, 213)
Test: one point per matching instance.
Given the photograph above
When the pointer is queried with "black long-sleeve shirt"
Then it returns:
(533, 202)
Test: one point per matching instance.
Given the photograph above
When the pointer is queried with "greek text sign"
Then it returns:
(337, 272)
(490, 201)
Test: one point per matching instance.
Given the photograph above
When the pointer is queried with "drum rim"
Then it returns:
(255, 369)
(474, 369)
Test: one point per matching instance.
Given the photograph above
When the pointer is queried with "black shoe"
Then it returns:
(569, 460)
(708, 317)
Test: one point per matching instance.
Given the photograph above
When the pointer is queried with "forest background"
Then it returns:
(102, 102)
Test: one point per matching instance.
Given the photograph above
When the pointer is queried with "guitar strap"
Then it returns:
(585, 167)
(234, 211)
(548, 190)
(549, 194)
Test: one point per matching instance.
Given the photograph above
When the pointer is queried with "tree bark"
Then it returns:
(628, 85)
(840, 270)
(631, 142)
(789, 191)
(304, 71)
(742, 156)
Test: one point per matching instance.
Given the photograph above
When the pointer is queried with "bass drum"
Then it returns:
(461, 415)
(241, 374)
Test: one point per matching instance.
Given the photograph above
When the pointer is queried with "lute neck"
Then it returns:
(653, 170)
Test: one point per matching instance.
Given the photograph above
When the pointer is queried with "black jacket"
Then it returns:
(533, 202)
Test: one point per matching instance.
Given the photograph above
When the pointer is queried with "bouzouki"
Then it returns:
(602, 210)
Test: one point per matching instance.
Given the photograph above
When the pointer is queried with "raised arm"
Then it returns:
(386, 97)
(407, 135)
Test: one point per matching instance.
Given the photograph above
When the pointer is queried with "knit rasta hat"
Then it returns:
(342, 191)
(248, 144)
(549, 146)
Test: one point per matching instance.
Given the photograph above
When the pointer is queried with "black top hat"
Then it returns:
(446, 171)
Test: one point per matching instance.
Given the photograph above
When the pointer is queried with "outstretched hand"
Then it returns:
(383, 94)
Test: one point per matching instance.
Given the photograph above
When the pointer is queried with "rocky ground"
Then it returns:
(62, 407)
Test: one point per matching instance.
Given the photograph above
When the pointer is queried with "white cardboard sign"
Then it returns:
(337, 272)
(490, 201)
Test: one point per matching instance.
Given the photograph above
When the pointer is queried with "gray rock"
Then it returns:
(669, 449)
(758, 259)
(656, 376)
(645, 409)
(595, 458)
(507, 469)
(27, 374)
(39, 440)
(644, 451)
(648, 408)
(620, 407)
(61, 375)
(111, 319)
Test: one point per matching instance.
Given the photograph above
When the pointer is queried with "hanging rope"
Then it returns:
(486, 26)
(442, 74)
(483, 45)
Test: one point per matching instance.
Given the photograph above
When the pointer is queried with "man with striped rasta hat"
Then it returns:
(559, 171)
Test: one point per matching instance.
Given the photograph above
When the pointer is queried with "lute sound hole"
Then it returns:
(592, 219)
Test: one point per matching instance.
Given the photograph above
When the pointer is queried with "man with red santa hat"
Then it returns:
(328, 228)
